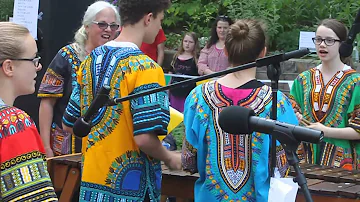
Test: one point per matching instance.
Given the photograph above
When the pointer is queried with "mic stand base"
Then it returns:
(293, 161)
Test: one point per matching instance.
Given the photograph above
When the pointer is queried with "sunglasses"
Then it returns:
(35, 60)
(104, 25)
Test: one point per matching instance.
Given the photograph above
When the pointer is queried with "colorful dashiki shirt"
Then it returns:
(58, 82)
(335, 104)
(114, 169)
(24, 175)
(232, 167)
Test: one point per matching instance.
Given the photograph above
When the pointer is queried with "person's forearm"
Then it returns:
(347, 133)
(151, 145)
(45, 119)
(161, 53)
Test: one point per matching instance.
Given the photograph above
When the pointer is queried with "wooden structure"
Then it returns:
(325, 184)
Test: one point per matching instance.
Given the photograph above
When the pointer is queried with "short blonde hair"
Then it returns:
(11, 37)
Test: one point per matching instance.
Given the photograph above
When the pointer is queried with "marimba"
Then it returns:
(65, 175)
(325, 184)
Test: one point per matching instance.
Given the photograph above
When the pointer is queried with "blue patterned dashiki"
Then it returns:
(231, 167)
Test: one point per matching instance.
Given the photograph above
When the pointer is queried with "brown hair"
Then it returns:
(214, 37)
(131, 11)
(195, 52)
(11, 37)
(340, 31)
(245, 41)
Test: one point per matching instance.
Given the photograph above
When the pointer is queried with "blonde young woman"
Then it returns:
(100, 23)
(24, 175)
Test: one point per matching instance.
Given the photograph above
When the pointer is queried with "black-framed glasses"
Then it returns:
(327, 41)
(35, 60)
(104, 25)
(223, 17)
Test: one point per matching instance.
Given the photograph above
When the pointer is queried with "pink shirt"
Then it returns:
(212, 58)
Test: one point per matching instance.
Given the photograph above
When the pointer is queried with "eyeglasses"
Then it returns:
(104, 25)
(35, 60)
(327, 41)
(223, 17)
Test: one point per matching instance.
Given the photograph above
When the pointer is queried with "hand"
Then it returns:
(299, 116)
(174, 161)
(49, 152)
(318, 126)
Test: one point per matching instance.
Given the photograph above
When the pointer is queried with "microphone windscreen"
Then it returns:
(81, 128)
(235, 119)
(345, 49)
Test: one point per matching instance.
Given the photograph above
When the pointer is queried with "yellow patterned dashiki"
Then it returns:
(114, 169)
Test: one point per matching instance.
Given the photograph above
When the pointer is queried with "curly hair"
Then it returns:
(131, 11)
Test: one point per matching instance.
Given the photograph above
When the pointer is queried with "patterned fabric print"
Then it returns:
(354, 120)
(71, 55)
(234, 152)
(323, 95)
(152, 109)
(330, 105)
(53, 82)
(188, 158)
(231, 167)
(13, 121)
(125, 178)
(59, 80)
(123, 174)
(25, 178)
(107, 119)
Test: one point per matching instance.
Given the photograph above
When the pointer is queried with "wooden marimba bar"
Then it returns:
(325, 184)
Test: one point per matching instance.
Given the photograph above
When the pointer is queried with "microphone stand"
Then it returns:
(273, 73)
(293, 160)
(290, 145)
(103, 99)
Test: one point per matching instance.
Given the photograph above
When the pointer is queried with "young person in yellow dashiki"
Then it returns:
(328, 96)
(123, 152)
(233, 167)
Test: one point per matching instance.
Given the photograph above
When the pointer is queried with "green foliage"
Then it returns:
(283, 18)
(173, 40)
(6, 9)
(263, 10)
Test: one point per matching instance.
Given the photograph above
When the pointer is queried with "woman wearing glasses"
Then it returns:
(327, 98)
(212, 57)
(24, 175)
(100, 23)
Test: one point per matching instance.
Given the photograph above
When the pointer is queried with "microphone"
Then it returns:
(273, 59)
(83, 125)
(241, 120)
(346, 46)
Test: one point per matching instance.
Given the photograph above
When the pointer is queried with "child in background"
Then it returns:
(184, 63)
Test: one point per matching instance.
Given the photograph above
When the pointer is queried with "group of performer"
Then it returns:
(122, 154)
